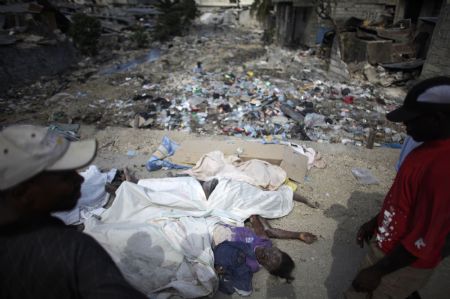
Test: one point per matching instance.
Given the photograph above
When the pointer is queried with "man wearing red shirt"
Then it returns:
(407, 237)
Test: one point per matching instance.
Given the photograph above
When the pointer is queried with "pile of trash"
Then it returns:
(246, 104)
(221, 83)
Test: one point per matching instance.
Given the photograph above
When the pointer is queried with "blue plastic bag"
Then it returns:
(166, 149)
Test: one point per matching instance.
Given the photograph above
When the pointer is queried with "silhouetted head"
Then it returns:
(426, 110)
(38, 171)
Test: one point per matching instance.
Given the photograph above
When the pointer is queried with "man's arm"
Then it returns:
(366, 231)
(368, 279)
(399, 258)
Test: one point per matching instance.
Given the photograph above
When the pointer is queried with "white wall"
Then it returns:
(223, 3)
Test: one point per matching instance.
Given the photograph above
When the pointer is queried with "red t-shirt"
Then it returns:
(416, 211)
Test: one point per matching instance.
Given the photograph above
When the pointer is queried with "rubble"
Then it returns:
(217, 80)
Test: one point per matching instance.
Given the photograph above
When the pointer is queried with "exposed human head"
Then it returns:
(277, 262)
(426, 110)
(38, 170)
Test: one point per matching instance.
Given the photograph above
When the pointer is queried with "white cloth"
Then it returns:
(255, 172)
(93, 196)
(159, 232)
(408, 146)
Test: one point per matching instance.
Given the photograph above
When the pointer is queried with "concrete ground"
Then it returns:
(325, 268)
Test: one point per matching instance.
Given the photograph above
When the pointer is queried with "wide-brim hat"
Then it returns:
(27, 150)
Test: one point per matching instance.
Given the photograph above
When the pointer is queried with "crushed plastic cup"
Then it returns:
(364, 176)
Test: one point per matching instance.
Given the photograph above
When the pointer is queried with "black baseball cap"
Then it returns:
(430, 95)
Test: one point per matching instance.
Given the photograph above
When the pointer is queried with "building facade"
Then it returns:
(298, 24)
(438, 58)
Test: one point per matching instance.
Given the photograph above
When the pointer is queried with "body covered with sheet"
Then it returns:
(159, 231)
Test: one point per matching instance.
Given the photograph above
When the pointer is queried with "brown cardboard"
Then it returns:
(295, 164)
(292, 162)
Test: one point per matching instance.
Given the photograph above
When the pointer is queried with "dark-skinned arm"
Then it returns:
(271, 232)
(300, 198)
(366, 231)
(258, 227)
(368, 279)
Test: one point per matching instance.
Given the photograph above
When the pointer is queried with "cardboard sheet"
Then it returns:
(293, 163)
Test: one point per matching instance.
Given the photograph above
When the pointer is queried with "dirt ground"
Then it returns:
(325, 268)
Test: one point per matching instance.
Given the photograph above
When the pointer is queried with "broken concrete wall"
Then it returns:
(337, 68)
(370, 10)
(376, 51)
(296, 25)
(438, 62)
(113, 2)
(415, 9)
(247, 20)
(24, 63)
(229, 16)
(306, 24)
(284, 23)
(224, 3)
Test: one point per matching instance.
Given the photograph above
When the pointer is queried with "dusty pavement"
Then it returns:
(325, 268)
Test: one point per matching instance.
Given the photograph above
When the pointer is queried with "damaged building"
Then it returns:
(397, 34)
(35, 40)
(32, 42)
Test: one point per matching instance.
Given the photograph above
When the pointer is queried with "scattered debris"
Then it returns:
(216, 81)
(69, 131)
(364, 176)
(158, 159)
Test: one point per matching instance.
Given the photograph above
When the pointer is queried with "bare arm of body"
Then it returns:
(302, 199)
(262, 228)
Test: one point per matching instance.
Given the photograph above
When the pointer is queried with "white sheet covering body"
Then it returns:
(159, 232)
(93, 196)
(255, 172)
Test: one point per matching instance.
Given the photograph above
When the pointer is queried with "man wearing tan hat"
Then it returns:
(407, 238)
(40, 257)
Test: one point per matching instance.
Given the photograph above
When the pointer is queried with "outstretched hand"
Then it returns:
(365, 232)
(308, 238)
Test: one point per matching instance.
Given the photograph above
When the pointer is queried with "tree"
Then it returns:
(175, 16)
(261, 8)
(85, 31)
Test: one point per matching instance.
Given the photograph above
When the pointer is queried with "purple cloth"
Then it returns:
(246, 235)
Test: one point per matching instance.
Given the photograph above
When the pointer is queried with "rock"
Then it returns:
(279, 120)
(371, 74)
(209, 18)
(59, 98)
(345, 91)
(315, 120)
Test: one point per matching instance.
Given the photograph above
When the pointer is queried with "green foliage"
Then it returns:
(85, 31)
(175, 16)
(261, 8)
(140, 37)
